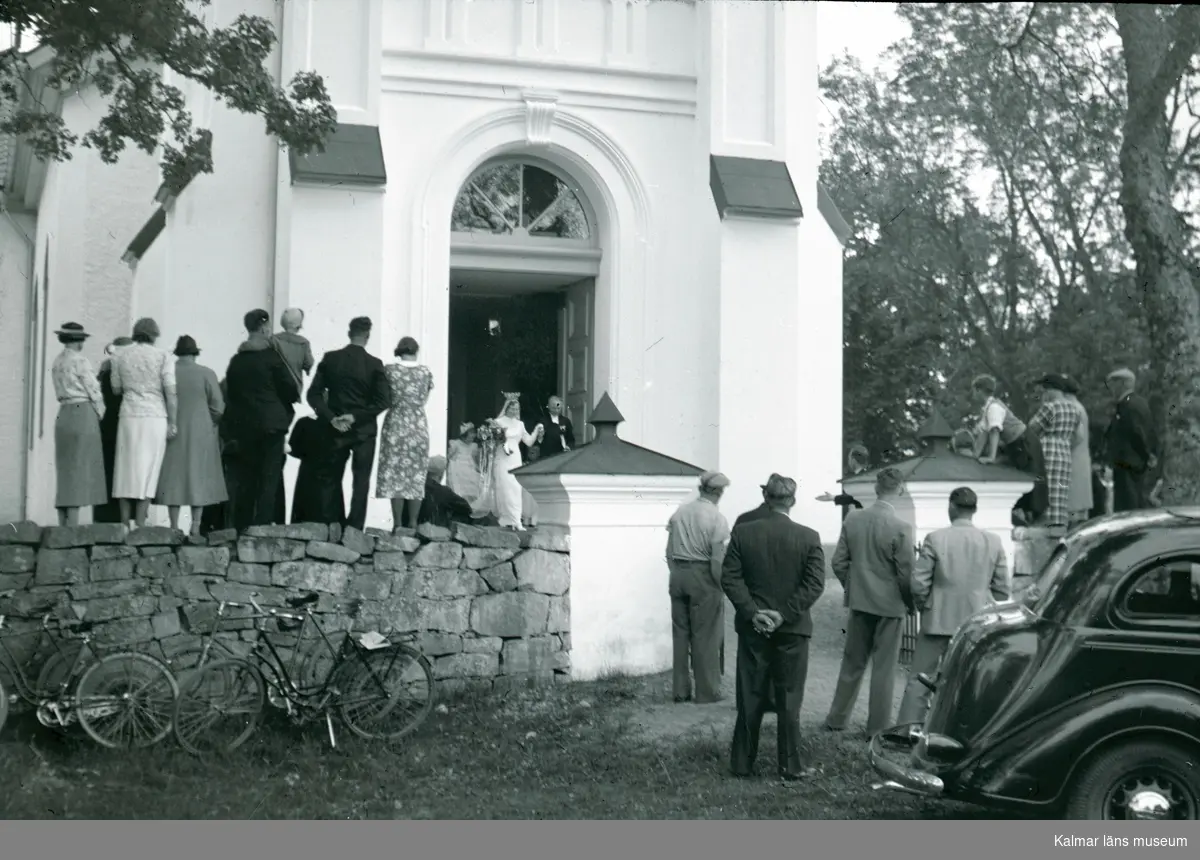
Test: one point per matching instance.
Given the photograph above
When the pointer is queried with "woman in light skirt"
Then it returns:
(144, 376)
(78, 453)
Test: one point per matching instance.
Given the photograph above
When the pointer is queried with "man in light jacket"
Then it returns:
(873, 561)
(961, 569)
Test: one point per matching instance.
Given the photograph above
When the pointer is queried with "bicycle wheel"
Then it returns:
(390, 695)
(220, 705)
(53, 682)
(124, 700)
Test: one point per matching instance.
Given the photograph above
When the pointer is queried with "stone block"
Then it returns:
(128, 632)
(68, 537)
(109, 569)
(269, 550)
(396, 543)
(390, 562)
(407, 614)
(438, 555)
(515, 613)
(466, 666)
(155, 536)
(486, 536)
(25, 532)
(565, 639)
(527, 655)
(359, 542)
(552, 538)
(15, 558)
(148, 551)
(125, 606)
(370, 586)
(543, 571)
(561, 661)
(203, 560)
(441, 584)
(250, 574)
(158, 566)
(293, 531)
(222, 537)
(188, 587)
(501, 577)
(439, 644)
(482, 644)
(61, 566)
(560, 614)
(108, 552)
(15, 581)
(335, 532)
(325, 576)
(238, 592)
(326, 551)
(115, 588)
(429, 532)
(478, 558)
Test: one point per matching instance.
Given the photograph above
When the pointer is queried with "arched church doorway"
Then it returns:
(524, 260)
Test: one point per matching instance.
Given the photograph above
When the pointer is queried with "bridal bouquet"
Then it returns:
(490, 434)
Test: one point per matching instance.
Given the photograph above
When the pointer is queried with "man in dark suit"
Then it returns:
(773, 572)
(557, 433)
(1131, 443)
(762, 510)
(348, 392)
(259, 395)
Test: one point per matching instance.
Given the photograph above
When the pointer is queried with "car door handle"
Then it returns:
(928, 682)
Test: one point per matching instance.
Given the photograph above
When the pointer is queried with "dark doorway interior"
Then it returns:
(497, 344)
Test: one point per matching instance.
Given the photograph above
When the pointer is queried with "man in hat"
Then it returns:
(259, 393)
(1130, 443)
(441, 505)
(873, 561)
(348, 393)
(696, 536)
(960, 570)
(773, 573)
(762, 510)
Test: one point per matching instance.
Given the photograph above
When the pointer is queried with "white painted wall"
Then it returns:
(16, 278)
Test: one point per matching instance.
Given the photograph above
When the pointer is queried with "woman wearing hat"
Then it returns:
(78, 454)
(145, 378)
(192, 475)
(1056, 423)
(110, 511)
(462, 470)
(1080, 501)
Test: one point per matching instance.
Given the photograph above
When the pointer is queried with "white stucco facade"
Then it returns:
(719, 341)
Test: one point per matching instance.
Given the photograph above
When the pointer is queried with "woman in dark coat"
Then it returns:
(110, 511)
(316, 485)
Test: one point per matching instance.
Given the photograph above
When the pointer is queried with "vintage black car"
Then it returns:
(1080, 698)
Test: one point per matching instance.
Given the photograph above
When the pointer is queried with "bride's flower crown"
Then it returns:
(511, 397)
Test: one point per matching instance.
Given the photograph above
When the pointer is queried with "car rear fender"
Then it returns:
(1038, 762)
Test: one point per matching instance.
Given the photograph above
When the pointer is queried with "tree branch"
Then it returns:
(1183, 29)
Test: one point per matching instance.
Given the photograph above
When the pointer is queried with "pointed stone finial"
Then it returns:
(605, 418)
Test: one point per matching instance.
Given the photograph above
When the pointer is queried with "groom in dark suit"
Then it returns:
(557, 434)
(773, 572)
(1131, 443)
(348, 392)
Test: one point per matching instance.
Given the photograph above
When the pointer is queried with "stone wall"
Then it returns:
(491, 607)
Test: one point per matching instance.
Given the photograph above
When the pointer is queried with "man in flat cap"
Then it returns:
(874, 562)
(773, 573)
(960, 570)
(259, 393)
(1130, 443)
(348, 393)
(696, 536)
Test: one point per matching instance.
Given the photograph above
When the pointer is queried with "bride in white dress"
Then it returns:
(507, 489)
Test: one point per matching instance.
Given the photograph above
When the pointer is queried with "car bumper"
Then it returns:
(890, 754)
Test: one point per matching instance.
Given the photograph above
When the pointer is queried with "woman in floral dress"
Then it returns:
(404, 442)
(1055, 424)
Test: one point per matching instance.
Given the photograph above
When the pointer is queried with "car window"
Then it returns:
(1166, 588)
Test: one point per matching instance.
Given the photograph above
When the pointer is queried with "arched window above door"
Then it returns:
(520, 199)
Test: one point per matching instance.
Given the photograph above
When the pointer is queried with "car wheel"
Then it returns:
(1138, 779)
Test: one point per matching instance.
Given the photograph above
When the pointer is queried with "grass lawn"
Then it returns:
(568, 752)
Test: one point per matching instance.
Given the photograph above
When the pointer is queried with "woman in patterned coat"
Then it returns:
(404, 440)
(1056, 423)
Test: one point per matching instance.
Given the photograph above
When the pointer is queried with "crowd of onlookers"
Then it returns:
(149, 428)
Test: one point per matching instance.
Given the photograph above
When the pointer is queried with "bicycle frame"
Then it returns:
(24, 688)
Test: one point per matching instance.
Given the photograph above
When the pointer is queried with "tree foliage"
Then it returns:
(983, 172)
(121, 47)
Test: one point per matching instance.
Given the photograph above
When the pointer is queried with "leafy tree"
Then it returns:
(121, 48)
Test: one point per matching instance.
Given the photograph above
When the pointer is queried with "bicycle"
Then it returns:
(357, 683)
(79, 685)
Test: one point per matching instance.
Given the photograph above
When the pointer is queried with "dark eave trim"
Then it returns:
(829, 211)
(145, 238)
(753, 188)
(353, 156)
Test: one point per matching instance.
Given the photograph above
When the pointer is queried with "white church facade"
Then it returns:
(625, 190)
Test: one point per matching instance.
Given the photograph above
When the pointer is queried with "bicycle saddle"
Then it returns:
(303, 600)
(78, 626)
